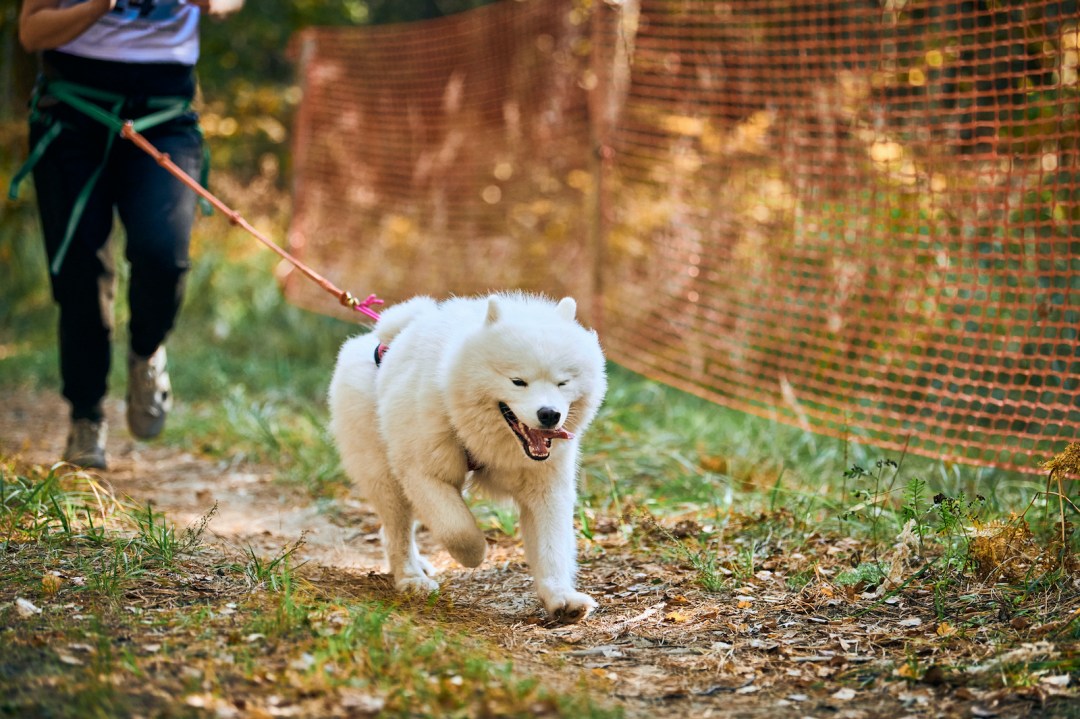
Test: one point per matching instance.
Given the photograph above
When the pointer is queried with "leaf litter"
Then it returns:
(780, 637)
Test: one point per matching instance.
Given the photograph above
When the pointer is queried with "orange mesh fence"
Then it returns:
(444, 156)
(858, 217)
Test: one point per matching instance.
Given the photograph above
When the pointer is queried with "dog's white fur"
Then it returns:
(406, 429)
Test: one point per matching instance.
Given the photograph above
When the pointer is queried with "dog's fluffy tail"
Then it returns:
(396, 318)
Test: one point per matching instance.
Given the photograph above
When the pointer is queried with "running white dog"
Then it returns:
(496, 391)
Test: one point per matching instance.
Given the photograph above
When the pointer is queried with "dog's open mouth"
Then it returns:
(535, 442)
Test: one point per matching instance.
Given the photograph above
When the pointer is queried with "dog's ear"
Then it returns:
(566, 308)
(493, 310)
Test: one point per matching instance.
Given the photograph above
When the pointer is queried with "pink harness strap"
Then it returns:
(380, 352)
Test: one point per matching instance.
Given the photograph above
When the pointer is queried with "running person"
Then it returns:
(134, 59)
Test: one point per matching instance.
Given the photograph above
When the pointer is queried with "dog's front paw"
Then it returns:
(468, 548)
(568, 607)
(416, 584)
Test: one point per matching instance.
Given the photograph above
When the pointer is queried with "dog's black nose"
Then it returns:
(548, 416)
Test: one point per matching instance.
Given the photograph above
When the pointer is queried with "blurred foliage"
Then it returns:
(252, 45)
(247, 72)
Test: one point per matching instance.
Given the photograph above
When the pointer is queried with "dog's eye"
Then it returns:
(518, 382)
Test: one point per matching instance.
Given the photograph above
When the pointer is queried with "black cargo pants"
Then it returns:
(156, 211)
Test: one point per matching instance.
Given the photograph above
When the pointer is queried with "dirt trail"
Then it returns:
(659, 644)
(251, 508)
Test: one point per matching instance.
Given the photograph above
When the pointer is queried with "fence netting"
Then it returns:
(858, 217)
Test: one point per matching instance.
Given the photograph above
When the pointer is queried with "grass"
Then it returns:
(272, 573)
(109, 634)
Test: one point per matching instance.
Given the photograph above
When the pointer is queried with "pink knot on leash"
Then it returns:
(371, 300)
(362, 306)
(365, 307)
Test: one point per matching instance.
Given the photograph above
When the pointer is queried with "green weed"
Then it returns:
(270, 573)
(705, 564)
(955, 516)
(290, 612)
(915, 507)
(866, 573)
(156, 538)
(113, 567)
(873, 496)
(584, 523)
(799, 579)
(743, 567)
(705, 561)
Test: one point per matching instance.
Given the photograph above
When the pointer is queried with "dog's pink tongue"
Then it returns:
(554, 433)
(540, 439)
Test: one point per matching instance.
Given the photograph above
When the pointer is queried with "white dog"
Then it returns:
(496, 391)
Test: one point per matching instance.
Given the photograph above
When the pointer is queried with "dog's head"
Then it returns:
(534, 368)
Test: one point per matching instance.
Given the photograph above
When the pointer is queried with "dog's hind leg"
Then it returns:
(412, 573)
(418, 558)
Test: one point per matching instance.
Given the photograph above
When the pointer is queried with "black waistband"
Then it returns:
(133, 79)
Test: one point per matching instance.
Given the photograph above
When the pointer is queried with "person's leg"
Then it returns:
(157, 212)
(85, 284)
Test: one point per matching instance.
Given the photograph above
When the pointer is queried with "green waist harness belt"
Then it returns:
(103, 107)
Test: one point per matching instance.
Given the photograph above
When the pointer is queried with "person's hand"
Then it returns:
(219, 7)
(101, 7)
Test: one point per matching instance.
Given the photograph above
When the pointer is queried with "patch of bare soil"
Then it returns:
(781, 638)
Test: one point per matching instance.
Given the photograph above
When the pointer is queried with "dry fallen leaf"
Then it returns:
(1061, 680)
(1020, 623)
(50, 583)
(69, 659)
(907, 671)
(360, 701)
(26, 608)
